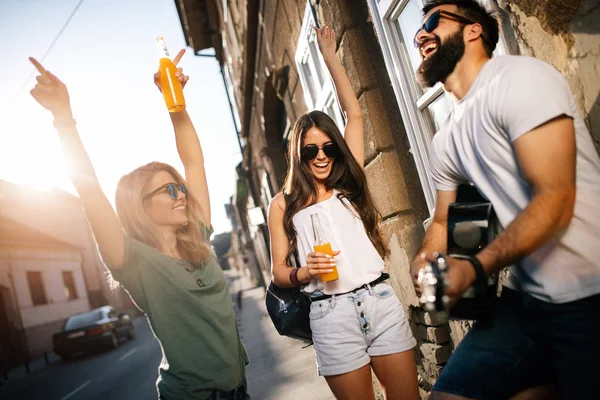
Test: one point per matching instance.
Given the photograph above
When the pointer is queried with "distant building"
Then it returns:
(49, 270)
(221, 244)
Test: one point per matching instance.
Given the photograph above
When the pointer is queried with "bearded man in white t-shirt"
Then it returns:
(516, 135)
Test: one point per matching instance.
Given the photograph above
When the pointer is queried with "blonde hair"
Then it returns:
(136, 223)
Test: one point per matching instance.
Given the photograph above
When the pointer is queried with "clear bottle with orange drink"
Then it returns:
(171, 87)
(322, 245)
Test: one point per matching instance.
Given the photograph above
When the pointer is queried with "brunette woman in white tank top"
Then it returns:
(357, 321)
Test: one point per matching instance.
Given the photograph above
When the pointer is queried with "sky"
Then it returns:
(107, 57)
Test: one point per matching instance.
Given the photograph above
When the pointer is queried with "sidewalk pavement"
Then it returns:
(35, 366)
(280, 368)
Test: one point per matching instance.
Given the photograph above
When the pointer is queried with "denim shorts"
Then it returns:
(351, 328)
(528, 342)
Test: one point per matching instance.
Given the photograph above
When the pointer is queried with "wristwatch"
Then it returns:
(480, 284)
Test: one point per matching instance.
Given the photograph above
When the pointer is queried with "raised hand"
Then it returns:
(325, 40)
(50, 92)
(179, 74)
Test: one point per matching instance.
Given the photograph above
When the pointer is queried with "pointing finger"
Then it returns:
(37, 65)
(178, 56)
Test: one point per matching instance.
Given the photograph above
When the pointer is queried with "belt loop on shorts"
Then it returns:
(333, 301)
(370, 288)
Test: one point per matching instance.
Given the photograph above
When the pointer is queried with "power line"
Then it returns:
(41, 60)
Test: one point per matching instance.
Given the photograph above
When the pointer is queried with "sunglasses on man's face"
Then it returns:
(309, 152)
(171, 188)
(434, 19)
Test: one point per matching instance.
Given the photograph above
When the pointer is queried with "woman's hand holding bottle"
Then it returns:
(317, 264)
(178, 74)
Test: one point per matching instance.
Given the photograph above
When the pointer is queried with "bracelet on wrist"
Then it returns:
(294, 277)
(480, 283)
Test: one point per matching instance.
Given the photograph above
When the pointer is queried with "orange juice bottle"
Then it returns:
(323, 246)
(171, 87)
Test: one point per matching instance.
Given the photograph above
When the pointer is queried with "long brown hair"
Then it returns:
(347, 177)
(135, 220)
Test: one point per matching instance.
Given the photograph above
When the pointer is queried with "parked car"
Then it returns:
(99, 329)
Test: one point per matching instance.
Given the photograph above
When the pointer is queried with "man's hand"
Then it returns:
(179, 74)
(326, 41)
(50, 92)
(461, 276)
(416, 266)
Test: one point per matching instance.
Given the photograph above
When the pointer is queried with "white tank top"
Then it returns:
(358, 262)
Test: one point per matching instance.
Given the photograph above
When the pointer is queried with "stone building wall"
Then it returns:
(566, 34)
(389, 166)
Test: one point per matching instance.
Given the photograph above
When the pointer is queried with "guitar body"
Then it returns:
(472, 225)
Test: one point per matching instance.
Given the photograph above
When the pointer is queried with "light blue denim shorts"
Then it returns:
(351, 328)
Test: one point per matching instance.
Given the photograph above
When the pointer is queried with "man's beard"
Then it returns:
(442, 62)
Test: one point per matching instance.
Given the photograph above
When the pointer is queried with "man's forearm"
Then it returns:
(435, 239)
(188, 144)
(546, 215)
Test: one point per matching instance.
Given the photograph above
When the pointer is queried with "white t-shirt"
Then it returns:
(358, 262)
(511, 96)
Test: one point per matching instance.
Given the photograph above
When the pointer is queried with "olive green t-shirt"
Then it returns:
(191, 315)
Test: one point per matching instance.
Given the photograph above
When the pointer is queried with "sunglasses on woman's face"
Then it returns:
(434, 19)
(309, 152)
(172, 188)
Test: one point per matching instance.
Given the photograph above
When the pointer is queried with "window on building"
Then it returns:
(319, 91)
(423, 110)
(70, 288)
(36, 288)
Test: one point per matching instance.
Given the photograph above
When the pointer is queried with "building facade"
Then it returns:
(49, 269)
(274, 73)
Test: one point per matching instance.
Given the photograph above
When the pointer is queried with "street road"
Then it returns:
(128, 372)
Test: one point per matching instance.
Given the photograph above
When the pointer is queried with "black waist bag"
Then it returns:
(289, 309)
